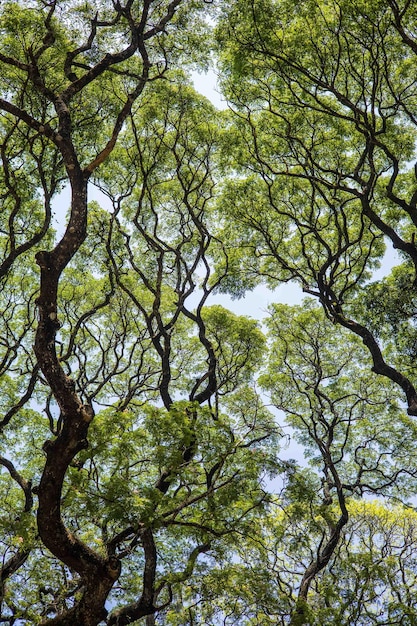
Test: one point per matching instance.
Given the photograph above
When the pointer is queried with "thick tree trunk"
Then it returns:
(97, 573)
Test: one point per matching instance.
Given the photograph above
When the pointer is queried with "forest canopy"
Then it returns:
(147, 429)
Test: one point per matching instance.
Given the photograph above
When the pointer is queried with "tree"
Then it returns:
(371, 581)
(322, 179)
(134, 420)
(324, 123)
(322, 554)
(348, 422)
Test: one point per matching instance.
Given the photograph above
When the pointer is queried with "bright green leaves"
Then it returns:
(304, 55)
(322, 139)
(277, 226)
(169, 160)
(375, 569)
(238, 344)
(302, 180)
(190, 477)
(165, 171)
(371, 580)
(348, 420)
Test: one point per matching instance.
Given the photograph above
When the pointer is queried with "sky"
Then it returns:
(206, 84)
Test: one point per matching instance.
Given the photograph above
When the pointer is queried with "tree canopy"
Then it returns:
(145, 476)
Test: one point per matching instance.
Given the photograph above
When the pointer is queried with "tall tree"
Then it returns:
(322, 554)
(134, 415)
(322, 181)
(323, 95)
(353, 431)
(371, 581)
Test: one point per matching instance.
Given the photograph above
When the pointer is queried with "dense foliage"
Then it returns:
(145, 475)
